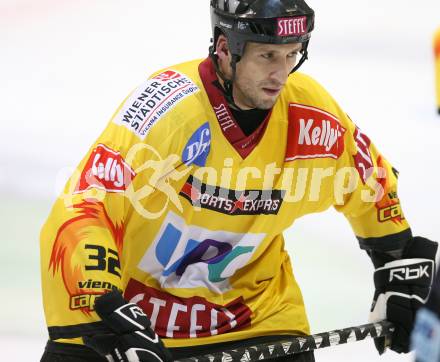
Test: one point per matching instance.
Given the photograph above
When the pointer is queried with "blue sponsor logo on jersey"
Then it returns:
(197, 149)
(189, 256)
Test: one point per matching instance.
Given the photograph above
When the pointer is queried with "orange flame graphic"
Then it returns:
(70, 234)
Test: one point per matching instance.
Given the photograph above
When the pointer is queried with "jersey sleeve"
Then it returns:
(367, 193)
(83, 242)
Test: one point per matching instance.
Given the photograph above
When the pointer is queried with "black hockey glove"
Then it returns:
(425, 338)
(132, 339)
(402, 286)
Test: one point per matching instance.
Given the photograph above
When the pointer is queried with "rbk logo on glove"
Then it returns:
(423, 269)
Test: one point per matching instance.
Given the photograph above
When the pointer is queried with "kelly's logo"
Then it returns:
(106, 170)
(313, 133)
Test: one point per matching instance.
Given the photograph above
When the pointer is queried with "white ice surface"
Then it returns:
(66, 65)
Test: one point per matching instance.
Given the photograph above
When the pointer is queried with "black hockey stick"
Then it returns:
(292, 345)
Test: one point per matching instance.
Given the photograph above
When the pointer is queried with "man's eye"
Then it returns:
(267, 55)
(293, 54)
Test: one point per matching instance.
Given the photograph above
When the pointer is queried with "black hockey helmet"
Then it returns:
(261, 21)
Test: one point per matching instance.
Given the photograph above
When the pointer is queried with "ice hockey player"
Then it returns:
(176, 214)
(426, 334)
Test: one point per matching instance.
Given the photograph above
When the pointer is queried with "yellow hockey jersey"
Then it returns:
(177, 208)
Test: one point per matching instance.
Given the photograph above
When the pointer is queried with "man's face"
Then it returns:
(262, 72)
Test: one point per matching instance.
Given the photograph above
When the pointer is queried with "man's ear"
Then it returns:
(222, 49)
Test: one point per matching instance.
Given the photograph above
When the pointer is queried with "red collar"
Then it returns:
(231, 130)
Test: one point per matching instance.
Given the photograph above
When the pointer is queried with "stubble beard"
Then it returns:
(252, 95)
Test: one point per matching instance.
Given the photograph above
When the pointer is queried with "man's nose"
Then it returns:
(281, 71)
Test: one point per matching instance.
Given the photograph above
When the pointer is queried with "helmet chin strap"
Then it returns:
(304, 57)
(227, 88)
